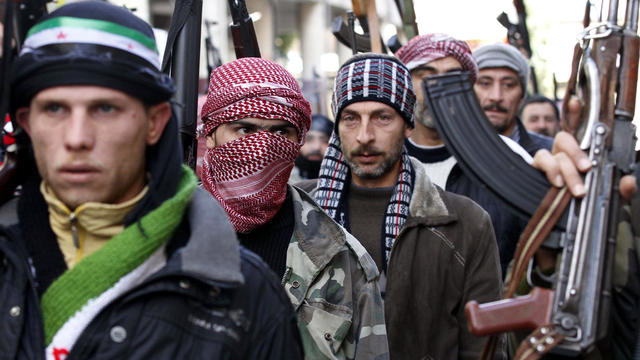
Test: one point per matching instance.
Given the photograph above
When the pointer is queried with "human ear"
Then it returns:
(158, 116)
(22, 117)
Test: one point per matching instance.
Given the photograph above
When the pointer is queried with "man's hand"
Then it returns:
(566, 161)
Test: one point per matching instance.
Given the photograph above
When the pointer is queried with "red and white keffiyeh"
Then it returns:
(423, 49)
(254, 88)
(249, 175)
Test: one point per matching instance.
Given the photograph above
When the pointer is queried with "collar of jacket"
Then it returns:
(319, 238)
(427, 206)
(212, 251)
(524, 138)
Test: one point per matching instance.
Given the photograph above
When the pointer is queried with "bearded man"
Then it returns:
(435, 250)
(255, 119)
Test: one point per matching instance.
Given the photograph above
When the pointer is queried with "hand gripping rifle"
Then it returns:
(19, 16)
(573, 316)
(242, 31)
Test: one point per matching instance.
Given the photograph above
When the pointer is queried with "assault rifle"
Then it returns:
(518, 36)
(182, 61)
(365, 12)
(242, 31)
(573, 316)
(19, 16)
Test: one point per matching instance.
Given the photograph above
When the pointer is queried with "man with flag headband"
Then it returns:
(254, 120)
(435, 250)
(111, 250)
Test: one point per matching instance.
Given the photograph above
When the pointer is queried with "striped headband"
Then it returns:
(90, 43)
(64, 29)
(374, 77)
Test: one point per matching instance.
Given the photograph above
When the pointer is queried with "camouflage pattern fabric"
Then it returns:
(332, 283)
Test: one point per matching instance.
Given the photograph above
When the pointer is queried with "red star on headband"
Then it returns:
(62, 36)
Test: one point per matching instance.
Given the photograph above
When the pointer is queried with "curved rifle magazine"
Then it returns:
(481, 153)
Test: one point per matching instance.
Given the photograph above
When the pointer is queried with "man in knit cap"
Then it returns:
(435, 54)
(435, 250)
(255, 119)
(108, 252)
(501, 85)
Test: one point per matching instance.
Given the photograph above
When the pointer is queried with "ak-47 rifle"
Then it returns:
(243, 34)
(182, 60)
(19, 16)
(518, 36)
(365, 12)
(213, 54)
(572, 316)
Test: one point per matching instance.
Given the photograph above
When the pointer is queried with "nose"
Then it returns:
(79, 134)
(495, 93)
(365, 133)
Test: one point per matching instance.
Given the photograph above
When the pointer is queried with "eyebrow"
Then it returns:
(268, 127)
(374, 112)
(431, 68)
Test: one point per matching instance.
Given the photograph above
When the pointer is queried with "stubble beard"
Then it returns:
(388, 162)
(423, 115)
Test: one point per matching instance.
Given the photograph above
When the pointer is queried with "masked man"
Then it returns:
(111, 251)
(255, 119)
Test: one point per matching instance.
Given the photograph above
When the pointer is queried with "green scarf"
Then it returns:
(124, 252)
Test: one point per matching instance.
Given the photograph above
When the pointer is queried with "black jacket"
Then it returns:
(212, 300)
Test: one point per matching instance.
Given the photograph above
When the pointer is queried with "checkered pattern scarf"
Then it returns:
(249, 175)
(334, 175)
(254, 88)
(423, 49)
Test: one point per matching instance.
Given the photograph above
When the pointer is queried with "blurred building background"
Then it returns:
(297, 33)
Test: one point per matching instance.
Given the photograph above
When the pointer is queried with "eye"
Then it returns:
(104, 109)
(54, 108)
(348, 120)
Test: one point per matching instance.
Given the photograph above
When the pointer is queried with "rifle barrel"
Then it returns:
(631, 16)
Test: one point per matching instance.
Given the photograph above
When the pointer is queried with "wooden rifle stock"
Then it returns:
(524, 312)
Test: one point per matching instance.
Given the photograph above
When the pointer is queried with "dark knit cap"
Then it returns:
(374, 77)
(90, 43)
(321, 123)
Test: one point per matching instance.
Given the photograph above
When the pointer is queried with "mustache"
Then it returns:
(365, 149)
(495, 107)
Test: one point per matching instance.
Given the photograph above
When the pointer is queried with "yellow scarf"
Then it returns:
(86, 229)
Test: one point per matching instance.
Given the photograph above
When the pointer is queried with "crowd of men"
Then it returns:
(114, 250)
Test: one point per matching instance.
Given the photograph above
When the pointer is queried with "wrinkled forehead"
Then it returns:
(499, 73)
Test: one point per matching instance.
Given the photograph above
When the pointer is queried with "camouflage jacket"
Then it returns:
(332, 283)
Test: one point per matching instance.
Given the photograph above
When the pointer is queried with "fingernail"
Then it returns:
(557, 181)
(579, 190)
(584, 163)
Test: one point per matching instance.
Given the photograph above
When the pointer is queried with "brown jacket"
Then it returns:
(446, 254)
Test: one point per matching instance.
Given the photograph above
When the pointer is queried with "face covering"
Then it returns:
(249, 177)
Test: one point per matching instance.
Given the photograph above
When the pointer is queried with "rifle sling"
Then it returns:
(537, 230)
